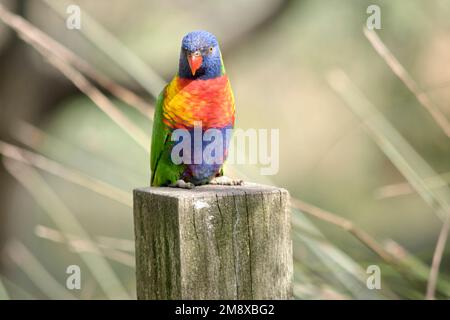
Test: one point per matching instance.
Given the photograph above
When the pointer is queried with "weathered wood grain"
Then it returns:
(213, 242)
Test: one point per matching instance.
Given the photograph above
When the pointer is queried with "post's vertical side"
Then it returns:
(206, 255)
(271, 245)
(214, 239)
(241, 244)
(236, 245)
(157, 246)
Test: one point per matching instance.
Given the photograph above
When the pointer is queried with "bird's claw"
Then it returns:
(182, 184)
(226, 181)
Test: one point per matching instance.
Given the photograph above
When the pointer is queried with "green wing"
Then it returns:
(163, 170)
(160, 134)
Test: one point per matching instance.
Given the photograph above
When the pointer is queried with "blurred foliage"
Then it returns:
(278, 54)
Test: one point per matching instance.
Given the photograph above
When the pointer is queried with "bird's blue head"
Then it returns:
(200, 56)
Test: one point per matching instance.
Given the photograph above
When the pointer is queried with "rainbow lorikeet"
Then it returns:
(199, 94)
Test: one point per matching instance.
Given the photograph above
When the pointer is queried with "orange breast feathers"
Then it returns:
(209, 101)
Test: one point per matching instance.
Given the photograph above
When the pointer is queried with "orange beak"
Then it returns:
(195, 62)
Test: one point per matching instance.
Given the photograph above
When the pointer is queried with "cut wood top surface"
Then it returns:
(208, 190)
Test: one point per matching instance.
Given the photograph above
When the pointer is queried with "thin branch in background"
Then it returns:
(421, 269)
(46, 144)
(413, 167)
(346, 225)
(392, 253)
(404, 188)
(112, 47)
(102, 102)
(437, 258)
(438, 116)
(102, 241)
(81, 245)
(442, 122)
(38, 39)
(83, 85)
(401, 154)
(71, 175)
(123, 258)
(37, 273)
(116, 243)
(67, 222)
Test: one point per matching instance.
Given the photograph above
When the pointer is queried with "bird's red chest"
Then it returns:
(188, 101)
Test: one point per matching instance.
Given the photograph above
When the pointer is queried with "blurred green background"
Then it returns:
(278, 54)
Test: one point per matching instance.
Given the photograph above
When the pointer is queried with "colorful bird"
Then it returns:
(200, 94)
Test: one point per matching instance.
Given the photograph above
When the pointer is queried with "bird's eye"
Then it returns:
(211, 49)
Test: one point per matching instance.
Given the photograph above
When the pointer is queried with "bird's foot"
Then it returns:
(182, 184)
(226, 181)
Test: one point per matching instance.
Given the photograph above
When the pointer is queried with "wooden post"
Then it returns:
(213, 242)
